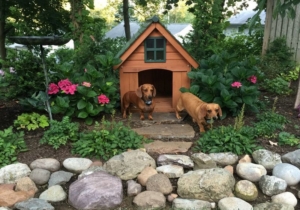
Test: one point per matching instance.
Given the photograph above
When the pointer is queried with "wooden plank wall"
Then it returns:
(282, 27)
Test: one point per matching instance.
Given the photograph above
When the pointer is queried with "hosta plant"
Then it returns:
(31, 121)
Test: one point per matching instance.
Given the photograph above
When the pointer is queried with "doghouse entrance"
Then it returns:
(162, 81)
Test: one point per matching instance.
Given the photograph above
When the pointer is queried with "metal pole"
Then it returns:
(47, 82)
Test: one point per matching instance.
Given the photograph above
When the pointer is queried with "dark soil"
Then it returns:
(9, 110)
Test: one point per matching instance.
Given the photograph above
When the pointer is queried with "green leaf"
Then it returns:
(91, 94)
(82, 114)
(81, 104)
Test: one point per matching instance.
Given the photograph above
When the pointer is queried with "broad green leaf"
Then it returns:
(82, 114)
(81, 104)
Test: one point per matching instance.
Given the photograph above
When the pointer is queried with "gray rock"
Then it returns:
(181, 160)
(34, 203)
(49, 164)
(271, 185)
(129, 165)
(133, 188)
(266, 158)
(40, 176)
(59, 178)
(273, 206)
(250, 171)
(292, 158)
(13, 172)
(203, 161)
(224, 158)
(202, 184)
(287, 172)
(98, 190)
(159, 183)
(246, 190)
(187, 204)
(77, 165)
(171, 171)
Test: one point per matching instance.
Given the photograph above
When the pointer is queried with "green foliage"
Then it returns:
(277, 85)
(11, 143)
(213, 81)
(228, 139)
(60, 132)
(106, 140)
(31, 121)
(23, 77)
(286, 138)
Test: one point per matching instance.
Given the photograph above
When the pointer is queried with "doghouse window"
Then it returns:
(155, 49)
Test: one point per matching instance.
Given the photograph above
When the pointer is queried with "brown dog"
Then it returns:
(199, 110)
(142, 98)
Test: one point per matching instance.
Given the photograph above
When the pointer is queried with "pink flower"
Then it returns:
(102, 99)
(252, 79)
(236, 84)
(2, 72)
(86, 84)
(12, 70)
(85, 70)
(70, 89)
(53, 88)
(64, 83)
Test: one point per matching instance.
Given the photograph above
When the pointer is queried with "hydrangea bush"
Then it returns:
(224, 80)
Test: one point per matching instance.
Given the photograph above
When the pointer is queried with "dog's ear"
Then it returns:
(139, 92)
(202, 111)
(220, 111)
(154, 91)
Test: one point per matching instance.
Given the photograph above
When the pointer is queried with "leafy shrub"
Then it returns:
(228, 139)
(286, 138)
(106, 140)
(278, 85)
(230, 83)
(60, 133)
(238, 139)
(11, 143)
(31, 121)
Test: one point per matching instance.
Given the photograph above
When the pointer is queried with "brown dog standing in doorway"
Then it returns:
(142, 98)
(199, 110)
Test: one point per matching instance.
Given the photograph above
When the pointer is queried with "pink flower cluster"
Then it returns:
(236, 85)
(103, 99)
(252, 79)
(65, 85)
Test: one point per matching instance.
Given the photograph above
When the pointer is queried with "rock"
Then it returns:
(25, 184)
(133, 188)
(287, 172)
(129, 165)
(271, 185)
(91, 170)
(181, 160)
(49, 164)
(231, 203)
(266, 158)
(292, 158)
(224, 158)
(150, 199)
(285, 198)
(98, 190)
(245, 159)
(13, 172)
(187, 204)
(54, 194)
(171, 171)
(273, 206)
(201, 184)
(159, 183)
(203, 161)
(59, 178)
(34, 203)
(40, 176)
(77, 165)
(246, 190)
(145, 174)
(250, 171)
(172, 196)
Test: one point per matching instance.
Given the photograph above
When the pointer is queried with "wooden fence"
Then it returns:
(283, 27)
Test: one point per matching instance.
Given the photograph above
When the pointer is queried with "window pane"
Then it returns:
(160, 55)
(150, 55)
(159, 43)
(150, 43)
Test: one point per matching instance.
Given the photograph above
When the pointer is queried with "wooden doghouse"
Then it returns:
(153, 55)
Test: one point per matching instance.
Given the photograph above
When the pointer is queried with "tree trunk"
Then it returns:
(126, 19)
(2, 30)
